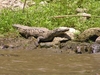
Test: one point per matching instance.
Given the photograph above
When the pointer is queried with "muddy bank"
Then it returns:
(68, 47)
(16, 43)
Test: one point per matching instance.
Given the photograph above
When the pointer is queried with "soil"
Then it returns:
(15, 43)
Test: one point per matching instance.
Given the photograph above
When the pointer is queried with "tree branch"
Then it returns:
(65, 16)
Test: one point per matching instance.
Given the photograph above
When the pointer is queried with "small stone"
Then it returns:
(81, 10)
(84, 15)
(46, 45)
(96, 47)
(43, 3)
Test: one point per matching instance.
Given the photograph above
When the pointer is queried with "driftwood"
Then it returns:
(65, 16)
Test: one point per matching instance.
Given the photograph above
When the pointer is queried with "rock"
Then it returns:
(98, 40)
(49, 44)
(81, 10)
(89, 34)
(60, 39)
(84, 48)
(72, 33)
(55, 43)
(68, 51)
(6, 46)
(43, 3)
(30, 2)
(70, 45)
(13, 4)
(96, 47)
(77, 47)
(84, 15)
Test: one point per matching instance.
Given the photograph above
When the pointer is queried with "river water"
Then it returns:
(46, 62)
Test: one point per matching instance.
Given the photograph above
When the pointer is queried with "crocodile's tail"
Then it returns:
(20, 26)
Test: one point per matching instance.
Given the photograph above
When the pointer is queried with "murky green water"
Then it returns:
(45, 62)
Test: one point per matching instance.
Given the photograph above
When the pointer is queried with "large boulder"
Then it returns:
(72, 33)
(89, 34)
(98, 40)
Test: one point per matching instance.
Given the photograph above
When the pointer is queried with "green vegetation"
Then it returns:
(41, 15)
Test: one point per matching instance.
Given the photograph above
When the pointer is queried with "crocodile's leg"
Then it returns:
(34, 41)
(39, 39)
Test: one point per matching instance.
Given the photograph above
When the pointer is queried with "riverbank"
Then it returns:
(69, 47)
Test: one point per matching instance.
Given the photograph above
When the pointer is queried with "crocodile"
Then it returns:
(40, 33)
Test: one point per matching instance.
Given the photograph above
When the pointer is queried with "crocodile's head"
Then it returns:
(58, 31)
(62, 29)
